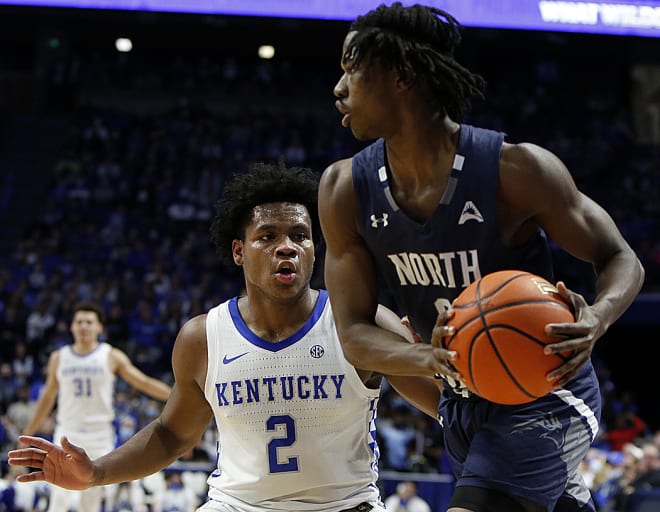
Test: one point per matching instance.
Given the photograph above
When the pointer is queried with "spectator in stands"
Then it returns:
(176, 497)
(20, 412)
(22, 363)
(406, 500)
(646, 476)
(8, 386)
(628, 427)
(396, 433)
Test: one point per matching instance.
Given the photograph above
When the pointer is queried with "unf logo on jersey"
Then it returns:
(470, 212)
(379, 221)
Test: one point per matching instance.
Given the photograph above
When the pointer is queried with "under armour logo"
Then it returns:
(470, 212)
(375, 221)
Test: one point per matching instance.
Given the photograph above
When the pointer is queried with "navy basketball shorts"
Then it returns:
(532, 450)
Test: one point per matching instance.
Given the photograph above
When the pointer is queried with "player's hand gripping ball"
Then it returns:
(500, 334)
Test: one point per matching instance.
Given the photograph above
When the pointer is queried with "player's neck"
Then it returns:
(84, 347)
(274, 320)
(418, 153)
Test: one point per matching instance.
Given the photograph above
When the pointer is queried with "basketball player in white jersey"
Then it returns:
(81, 378)
(296, 422)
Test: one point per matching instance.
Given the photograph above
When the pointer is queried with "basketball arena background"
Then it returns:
(104, 101)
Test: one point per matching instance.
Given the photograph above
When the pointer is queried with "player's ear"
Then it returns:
(237, 251)
(406, 78)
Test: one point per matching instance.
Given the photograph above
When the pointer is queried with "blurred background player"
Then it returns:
(81, 379)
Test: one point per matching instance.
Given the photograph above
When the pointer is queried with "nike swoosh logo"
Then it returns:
(227, 360)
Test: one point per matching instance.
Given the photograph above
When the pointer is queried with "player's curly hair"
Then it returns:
(263, 183)
(419, 42)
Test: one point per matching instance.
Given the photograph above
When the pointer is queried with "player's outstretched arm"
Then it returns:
(180, 425)
(47, 398)
(138, 379)
(182, 422)
(68, 466)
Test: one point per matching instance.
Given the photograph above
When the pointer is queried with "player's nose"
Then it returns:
(340, 87)
(287, 247)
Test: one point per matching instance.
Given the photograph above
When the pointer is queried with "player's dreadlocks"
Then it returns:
(418, 42)
(264, 183)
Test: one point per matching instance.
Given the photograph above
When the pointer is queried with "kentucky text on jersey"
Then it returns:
(83, 370)
(304, 387)
(436, 269)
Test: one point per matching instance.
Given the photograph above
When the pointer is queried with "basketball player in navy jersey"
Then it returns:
(81, 381)
(431, 206)
(295, 420)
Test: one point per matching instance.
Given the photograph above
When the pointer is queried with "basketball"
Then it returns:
(500, 335)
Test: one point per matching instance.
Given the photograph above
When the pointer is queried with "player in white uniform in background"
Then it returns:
(295, 420)
(81, 379)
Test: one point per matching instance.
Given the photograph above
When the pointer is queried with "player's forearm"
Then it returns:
(422, 392)
(157, 389)
(43, 408)
(150, 450)
(372, 348)
(617, 285)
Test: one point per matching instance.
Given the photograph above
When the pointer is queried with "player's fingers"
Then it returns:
(37, 442)
(72, 449)
(32, 462)
(440, 333)
(571, 345)
(35, 476)
(447, 371)
(575, 300)
(445, 312)
(567, 330)
(21, 453)
(561, 375)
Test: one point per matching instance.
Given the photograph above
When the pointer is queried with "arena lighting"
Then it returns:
(621, 17)
(123, 44)
(266, 51)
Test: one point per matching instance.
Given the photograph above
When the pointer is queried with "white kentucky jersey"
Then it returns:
(296, 425)
(86, 382)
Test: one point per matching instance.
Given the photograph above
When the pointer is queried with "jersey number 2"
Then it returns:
(289, 438)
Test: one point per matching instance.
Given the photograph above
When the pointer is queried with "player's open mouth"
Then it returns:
(286, 272)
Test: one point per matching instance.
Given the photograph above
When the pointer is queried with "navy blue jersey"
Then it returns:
(531, 450)
(459, 243)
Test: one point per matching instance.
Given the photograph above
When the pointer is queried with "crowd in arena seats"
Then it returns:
(126, 216)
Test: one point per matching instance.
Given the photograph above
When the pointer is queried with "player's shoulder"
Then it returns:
(193, 332)
(117, 357)
(526, 156)
(336, 173)
(190, 346)
(55, 356)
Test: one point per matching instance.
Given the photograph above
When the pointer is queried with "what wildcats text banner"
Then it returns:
(621, 17)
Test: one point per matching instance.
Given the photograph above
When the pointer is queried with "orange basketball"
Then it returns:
(500, 335)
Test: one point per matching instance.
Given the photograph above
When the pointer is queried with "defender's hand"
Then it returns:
(68, 466)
